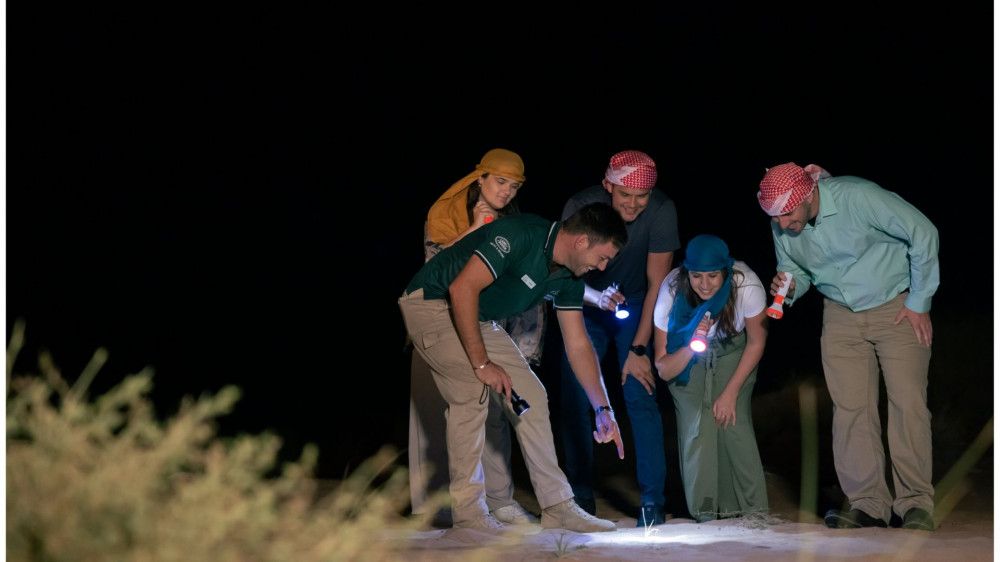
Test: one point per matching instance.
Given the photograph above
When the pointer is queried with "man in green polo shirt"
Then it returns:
(449, 308)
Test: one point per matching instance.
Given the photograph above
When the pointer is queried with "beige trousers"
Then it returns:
(427, 453)
(430, 327)
(854, 346)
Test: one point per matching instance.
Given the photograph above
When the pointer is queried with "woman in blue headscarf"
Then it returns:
(720, 462)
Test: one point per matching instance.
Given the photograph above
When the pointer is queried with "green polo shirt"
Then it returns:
(518, 252)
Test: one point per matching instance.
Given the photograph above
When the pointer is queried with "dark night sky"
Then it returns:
(238, 196)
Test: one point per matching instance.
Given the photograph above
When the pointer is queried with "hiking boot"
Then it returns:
(650, 514)
(567, 515)
(514, 514)
(485, 523)
(853, 519)
(918, 519)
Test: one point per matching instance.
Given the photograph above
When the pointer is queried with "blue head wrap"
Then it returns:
(704, 252)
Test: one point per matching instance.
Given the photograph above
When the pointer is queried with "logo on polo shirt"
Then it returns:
(501, 244)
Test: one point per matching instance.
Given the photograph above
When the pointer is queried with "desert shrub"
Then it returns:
(104, 479)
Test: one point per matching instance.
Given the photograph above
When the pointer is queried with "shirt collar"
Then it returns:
(550, 242)
(827, 206)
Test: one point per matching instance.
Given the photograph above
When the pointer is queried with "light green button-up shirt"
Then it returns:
(867, 245)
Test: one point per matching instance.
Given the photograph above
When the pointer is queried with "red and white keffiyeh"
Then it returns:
(786, 185)
(632, 168)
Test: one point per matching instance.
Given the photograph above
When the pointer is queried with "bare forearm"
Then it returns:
(586, 366)
(465, 310)
(591, 296)
(751, 356)
(657, 267)
(669, 365)
(645, 327)
(756, 331)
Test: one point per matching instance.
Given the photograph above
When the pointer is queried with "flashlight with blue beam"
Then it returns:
(621, 309)
(699, 341)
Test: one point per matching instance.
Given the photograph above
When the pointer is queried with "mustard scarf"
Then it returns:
(449, 215)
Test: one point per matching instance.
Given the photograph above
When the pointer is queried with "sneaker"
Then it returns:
(650, 514)
(514, 514)
(485, 523)
(918, 519)
(567, 515)
(587, 504)
(853, 519)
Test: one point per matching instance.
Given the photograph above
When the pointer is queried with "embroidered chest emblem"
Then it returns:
(502, 244)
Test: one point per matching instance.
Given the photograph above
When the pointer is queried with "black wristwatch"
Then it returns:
(639, 350)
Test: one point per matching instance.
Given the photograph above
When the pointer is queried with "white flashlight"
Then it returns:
(699, 342)
(775, 310)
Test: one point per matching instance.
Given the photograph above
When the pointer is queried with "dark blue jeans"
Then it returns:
(643, 413)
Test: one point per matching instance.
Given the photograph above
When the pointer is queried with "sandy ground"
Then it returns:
(964, 534)
(964, 512)
(792, 420)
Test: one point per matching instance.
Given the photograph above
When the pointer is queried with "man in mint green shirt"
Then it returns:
(450, 309)
(874, 257)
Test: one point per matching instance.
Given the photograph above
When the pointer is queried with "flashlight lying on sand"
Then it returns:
(775, 310)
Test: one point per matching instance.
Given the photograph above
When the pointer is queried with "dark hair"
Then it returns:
(726, 321)
(472, 197)
(600, 222)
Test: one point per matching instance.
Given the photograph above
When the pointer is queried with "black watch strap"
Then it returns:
(639, 350)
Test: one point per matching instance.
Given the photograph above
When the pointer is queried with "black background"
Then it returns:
(237, 196)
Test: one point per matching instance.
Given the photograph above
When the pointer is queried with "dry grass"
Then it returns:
(103, 479)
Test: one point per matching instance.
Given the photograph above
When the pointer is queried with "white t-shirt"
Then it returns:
(751, 299)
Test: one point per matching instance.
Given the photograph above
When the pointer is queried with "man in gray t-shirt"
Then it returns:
(633, 276)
